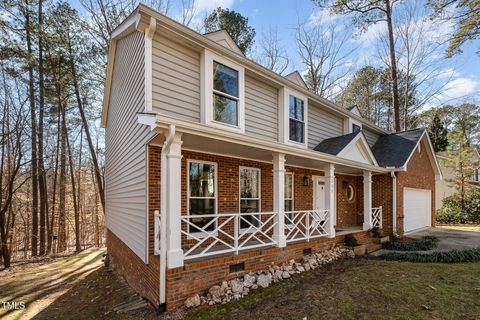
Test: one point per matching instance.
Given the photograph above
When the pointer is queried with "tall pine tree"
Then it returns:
(438, 134)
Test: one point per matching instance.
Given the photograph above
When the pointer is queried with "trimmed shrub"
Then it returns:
(425, 243)
(453, 256)
(451, 211)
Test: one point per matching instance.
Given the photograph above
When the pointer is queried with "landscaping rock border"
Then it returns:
(241, 287)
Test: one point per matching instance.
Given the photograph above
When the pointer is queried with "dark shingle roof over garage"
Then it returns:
(393, 150)
(334, 145)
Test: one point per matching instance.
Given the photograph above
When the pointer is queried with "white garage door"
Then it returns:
(417, 205)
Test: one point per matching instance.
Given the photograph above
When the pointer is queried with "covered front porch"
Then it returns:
(225, 198)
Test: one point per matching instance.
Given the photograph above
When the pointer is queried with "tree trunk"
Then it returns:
(54, 191)
(78, 247)
(98, 175)
(62, 236)
(41, 167)
(31, 97)
(393, 67)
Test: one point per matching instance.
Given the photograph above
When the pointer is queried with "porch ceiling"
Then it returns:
(198, 143)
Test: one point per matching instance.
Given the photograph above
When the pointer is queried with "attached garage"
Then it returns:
(417, 209)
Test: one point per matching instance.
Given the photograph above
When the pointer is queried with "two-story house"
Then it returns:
(217, 166)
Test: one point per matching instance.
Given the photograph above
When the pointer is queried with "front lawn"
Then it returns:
(364, 289)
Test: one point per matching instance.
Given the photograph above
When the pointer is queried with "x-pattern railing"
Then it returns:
(377, 217)
(222, 233)
(304, 225)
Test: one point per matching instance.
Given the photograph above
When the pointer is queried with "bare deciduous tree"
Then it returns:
(325, 55)
(270, 53)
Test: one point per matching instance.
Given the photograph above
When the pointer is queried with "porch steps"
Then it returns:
(372, 247)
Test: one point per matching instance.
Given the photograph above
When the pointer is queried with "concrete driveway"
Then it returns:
(450, 239)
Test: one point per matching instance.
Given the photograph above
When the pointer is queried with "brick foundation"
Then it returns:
(143, 278)
(197, 277)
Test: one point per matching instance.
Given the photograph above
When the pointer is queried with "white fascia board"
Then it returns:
(128, 26)
(220, 134)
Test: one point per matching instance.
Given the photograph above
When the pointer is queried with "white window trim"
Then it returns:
(284, 119)
(348, 124)
(202, 234)
(293, 192)
(240, 192)
(206, 92)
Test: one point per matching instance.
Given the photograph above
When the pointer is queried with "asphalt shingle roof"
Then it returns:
(393, 150)
(334, 145)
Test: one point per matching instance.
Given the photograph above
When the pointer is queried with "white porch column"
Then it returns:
(174, 202)
(279, 198)
(330, 199)
(367, 200)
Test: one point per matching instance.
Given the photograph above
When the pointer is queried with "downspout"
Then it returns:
(394, 203)
(163, 210)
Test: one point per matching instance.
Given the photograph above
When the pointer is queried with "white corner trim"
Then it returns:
(284, 117)
(126, 27)
(148, 119)
(149, 32)
(206, 91)
(347, 125)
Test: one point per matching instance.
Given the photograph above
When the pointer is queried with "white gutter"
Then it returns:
(163, 210)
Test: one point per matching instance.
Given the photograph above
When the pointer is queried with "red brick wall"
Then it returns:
(197, 277)
(382, 196)
(419, 175)
(143, 278)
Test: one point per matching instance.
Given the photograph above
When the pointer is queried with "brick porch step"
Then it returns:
(372, 247)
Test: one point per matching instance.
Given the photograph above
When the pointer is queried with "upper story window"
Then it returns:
(293, 117)
(222, 93)
(356, 127)
(296, 119)
(225, 94)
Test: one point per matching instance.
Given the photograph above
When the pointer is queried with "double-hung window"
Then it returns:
(288, 194)
(296, 119)
(201, 194)
(249, 196)
(222, 93)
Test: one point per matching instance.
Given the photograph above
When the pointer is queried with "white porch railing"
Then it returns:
(377, 217)
(305, 225)
(227, 232)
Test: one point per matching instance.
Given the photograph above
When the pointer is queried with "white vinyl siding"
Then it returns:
(125, 148)
(371, 137)
(261, 109)
(322, 125)
(176, 80)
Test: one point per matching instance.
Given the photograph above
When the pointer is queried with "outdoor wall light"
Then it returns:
(306, 181)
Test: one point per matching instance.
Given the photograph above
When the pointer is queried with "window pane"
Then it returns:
(249, 206)
(296, 131)
(225, 79)
(202, 179)
(249, 183)
(296, 108)
(200, 207)
(355, 128)
(288, 186)
(288, 205)
(225, 110)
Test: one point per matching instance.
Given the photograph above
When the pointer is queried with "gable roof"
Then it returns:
(223, 38)
(334, 145)
(355, 110)
(352, 146)
(394, 150)
(296, 78)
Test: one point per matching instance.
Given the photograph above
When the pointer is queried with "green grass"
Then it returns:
(364, 289)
